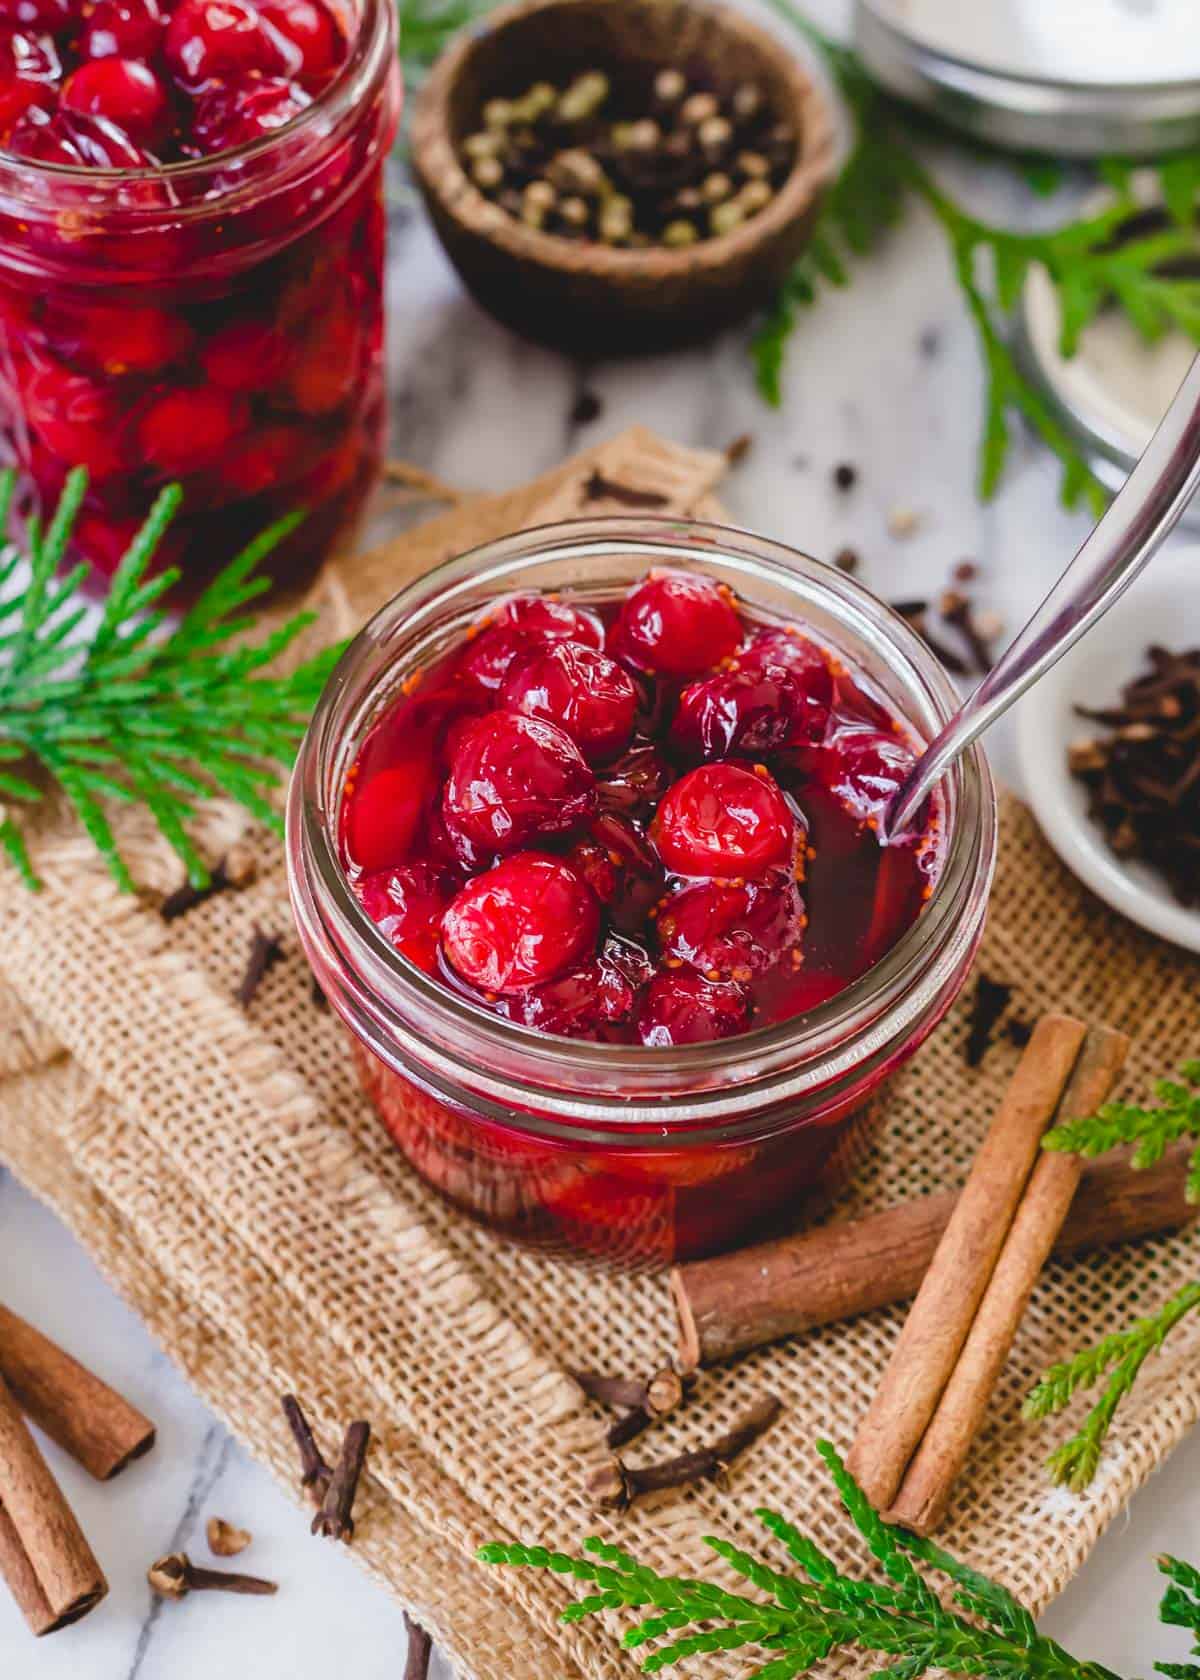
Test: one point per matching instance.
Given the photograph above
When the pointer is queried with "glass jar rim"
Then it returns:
(416, 1023)
(367, 63)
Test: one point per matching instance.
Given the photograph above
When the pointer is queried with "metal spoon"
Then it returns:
(1145, 511)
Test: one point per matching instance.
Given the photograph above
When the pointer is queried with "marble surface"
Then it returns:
(884, 375)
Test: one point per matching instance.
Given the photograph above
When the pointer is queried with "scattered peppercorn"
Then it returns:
(587, 408)
(737, 451)
(845, 477)
(666, 165)
(846, 560)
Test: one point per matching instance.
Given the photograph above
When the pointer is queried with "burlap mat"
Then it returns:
(226, 1174)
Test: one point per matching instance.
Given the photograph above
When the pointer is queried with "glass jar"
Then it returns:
(641, 1155)
(217, 322)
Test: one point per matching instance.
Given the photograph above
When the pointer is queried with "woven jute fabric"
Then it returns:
(227, 1174)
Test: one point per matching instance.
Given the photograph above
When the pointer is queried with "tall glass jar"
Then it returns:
(638, 1154)
(217, 322)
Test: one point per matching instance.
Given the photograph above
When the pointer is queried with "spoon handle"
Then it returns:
(1144, 512)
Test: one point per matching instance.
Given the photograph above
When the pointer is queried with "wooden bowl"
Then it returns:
(584, 296)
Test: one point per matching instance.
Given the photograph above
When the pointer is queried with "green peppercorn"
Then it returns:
(577, 171)
(482, 145)
(487, 173)
(679, 233)
(497, 113)
(716, 188)
(724, 218)
(574, 212)
(755, 196)
(670, 86)
(698, 108)
(747, 102)
(615, 222)
(583, 98)
(753, 165)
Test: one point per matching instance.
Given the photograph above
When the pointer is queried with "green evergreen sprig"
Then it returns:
(140, 709)
(1150, 277)
(1180, 1607)
(1151, 1130)
(1120, 1357)
(805, 1616)
(426, 27)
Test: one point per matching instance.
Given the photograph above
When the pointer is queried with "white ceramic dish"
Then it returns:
(1162, 606)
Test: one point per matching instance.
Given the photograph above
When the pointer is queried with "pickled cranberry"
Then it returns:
(514, 778)
(121, 338)
(677, 624)
(587, 1002)
(186, 430)
(77, 140)
(680, 1007)
(778, 692)
(387, 813)
(312, 29)
(270, 456)
(123, 29)
(727, 931)
(29, 75)
(583, 691)
(225, 117)
(863, 768)
(210, 40)
(76, 418)
(245, 356)
(327, 371)
(548, 618)
(489, 654)
(636, 782)
(520, 924)
(50, 17)
(406, 904)
(722, 820)
(127, 93)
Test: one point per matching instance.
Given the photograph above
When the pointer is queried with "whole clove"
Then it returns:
(335, 1519)
(420, 1650)
(315, 1473)
(1143, 778)
(236, 869)
(175, 1576)
(643, 1402)
(916, 613)
(991, 999)
(598, 488)
(616, 1485)
(956, 609)
(266, 949)
(623, 165)
(224, 1539)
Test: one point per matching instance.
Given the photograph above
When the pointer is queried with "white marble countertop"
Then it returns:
(884, 375)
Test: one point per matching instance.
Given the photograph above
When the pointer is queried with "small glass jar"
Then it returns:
(637, 1154)
(217, 322)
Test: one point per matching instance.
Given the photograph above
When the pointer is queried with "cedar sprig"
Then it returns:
(1176, 1116)
(803, 1618)
(140, 709)
(1180, 1607)
(1119, 1356)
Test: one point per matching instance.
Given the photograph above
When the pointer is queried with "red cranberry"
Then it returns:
(76, 140)
(189, 429)
(406, 904)
(684, 1008)
(127, 93)
(515, 778)
(636, 782)
(123, 29)
(677, 624)
(724, 821)
(313, 30)
(863, 768)
(225, 117)
(211, 40)
(49, 17)
(76, 418)
(126, 338)
(583, 691)
(729, 931)
(520, 924)
(386, 813)
(548, 618)
(587, 1002)
(245, 356)
(268, 457)
(327, 371)
(777, 693)
(29, 74)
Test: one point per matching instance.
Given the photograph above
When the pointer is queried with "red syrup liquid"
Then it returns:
(220, 327)
(680, 871)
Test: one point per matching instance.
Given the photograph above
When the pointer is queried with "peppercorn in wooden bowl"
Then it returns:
(611, 176)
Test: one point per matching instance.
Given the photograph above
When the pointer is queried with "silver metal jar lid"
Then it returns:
(1111, 394)
(1077, 78)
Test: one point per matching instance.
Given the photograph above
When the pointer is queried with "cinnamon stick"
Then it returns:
(929, 1480)
(44, 1556)
(753, 1296)
(89, 1420)
(950, 1293)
